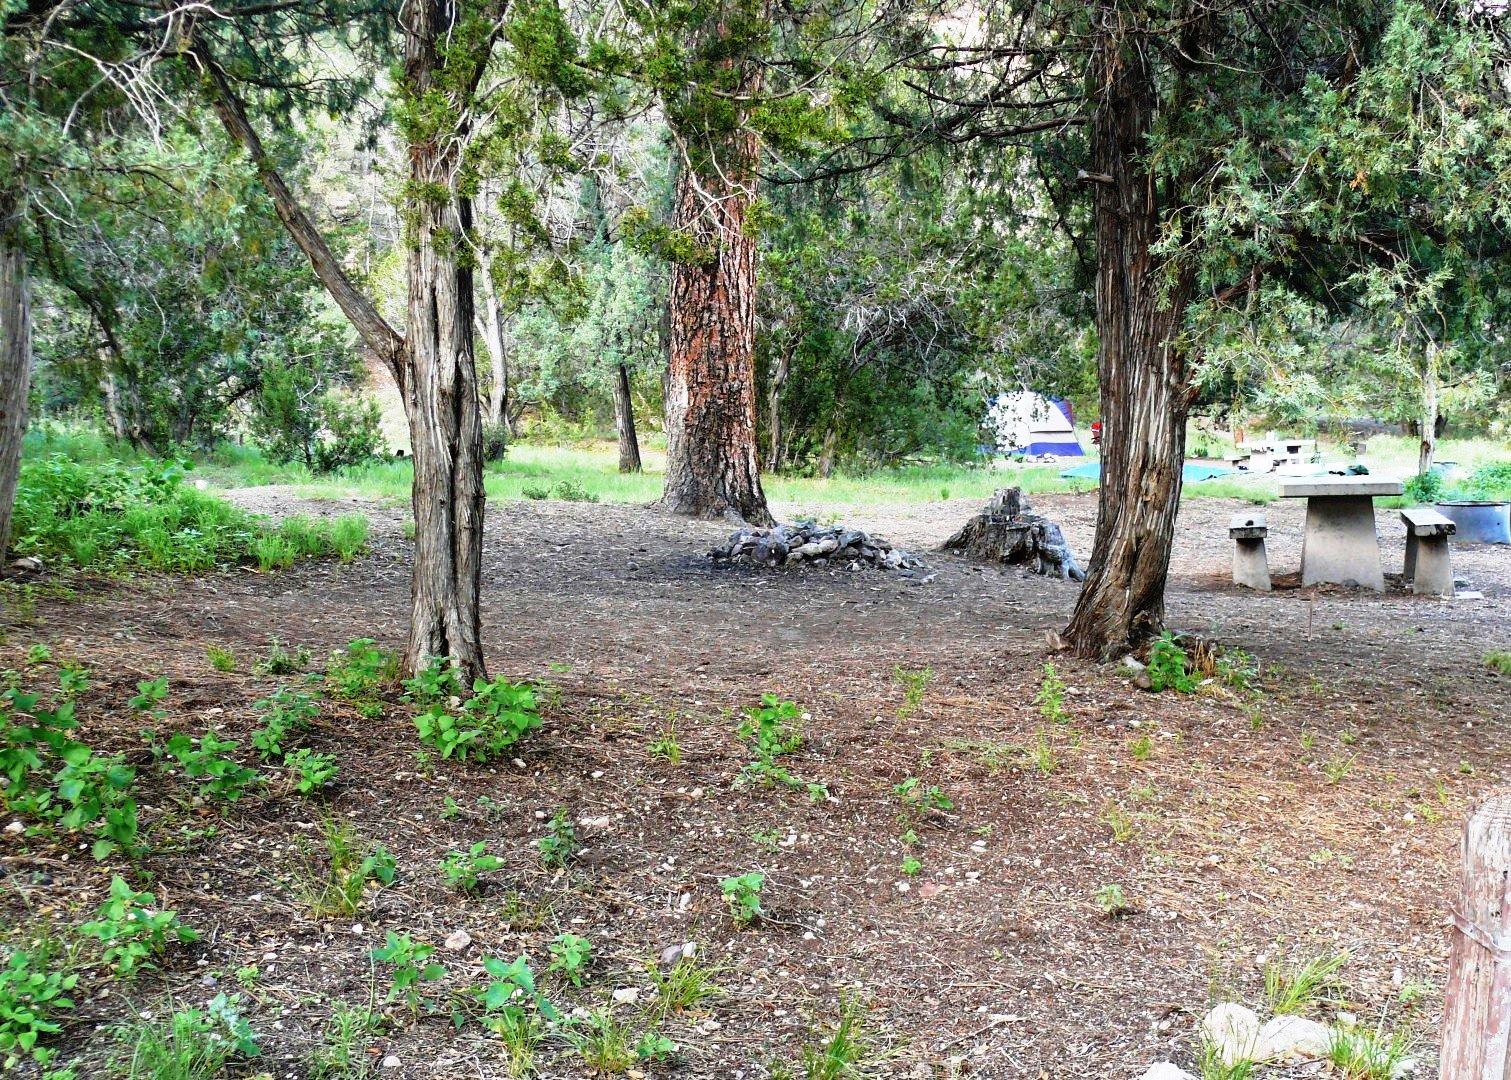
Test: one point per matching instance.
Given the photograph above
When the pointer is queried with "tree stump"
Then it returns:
(1008, 531)
(1477, 1001)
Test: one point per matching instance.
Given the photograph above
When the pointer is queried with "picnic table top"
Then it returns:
(1323, 487)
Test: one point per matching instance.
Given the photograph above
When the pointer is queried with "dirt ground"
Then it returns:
(1321, 813)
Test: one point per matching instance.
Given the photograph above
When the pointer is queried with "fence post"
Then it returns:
(1477, 1000)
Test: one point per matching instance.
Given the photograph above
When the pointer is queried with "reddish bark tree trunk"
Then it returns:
(1143, 371)
(15, 353)
(711, 458)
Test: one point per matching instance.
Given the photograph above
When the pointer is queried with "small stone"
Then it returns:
(391, 1061)
(15, 828)
(27, 562)
(1233, 1031)
(458, 940)
(670, 955)
(626, 995)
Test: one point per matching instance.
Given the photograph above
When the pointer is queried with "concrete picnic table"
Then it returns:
(1340, 544)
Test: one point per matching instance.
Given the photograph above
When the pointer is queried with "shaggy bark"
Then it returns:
(1140, 306)
(15, 352)
(433, 363)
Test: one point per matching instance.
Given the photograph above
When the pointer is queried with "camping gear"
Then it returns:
(1030, 423)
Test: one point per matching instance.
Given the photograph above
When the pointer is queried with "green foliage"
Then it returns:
(135, 934)
(297, 415)
(1111, 900)
(281, 660)
(666, 746)
(189, 1044)
(60, 782)
(498, 714)
(311, 771)
(32, 995)
(462, 869)
(221, 658)
(1051, 696)
(560, 842)
(285, 714)
(412, 968)
(570, 955)
(917, 799)
(847, 1050)
(1358, 1053)
(1423, 488)
(208, 759)
(609, 1045)
(774, 728)
(1295, 988)
(343, 1056)
(300, 537)
(351, 866)
(742, 894)
(1498, 660)
(1490, 482)
(359, 672)
(913, 683)
(1169, 666)
(510, 1006)
(683, 985)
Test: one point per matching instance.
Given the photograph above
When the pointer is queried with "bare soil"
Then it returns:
(1320, 813)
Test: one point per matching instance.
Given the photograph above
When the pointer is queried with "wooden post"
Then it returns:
(1477, 1001)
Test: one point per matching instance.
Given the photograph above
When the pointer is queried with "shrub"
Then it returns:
(31, 994)
(495, 441)
(743, 895)
(207, 759)
(111, 516)
(462, 869)
(1424, 488)
(284, 714)
(190, 1044)
(498, 714)
(133, 932)
(59, 781)
(1169, 666)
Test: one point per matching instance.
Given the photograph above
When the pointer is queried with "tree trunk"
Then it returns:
(15, 352)
(711, 466)
(1144, 393)
(433, 363)
(774, 410)
(445, 420)
(826, 453)
(624, 422)
(1429, 444)
(491, 325)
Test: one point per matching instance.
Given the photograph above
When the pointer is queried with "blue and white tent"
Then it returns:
(1030, 423)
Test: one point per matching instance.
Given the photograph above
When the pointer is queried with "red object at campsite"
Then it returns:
(1096, 433)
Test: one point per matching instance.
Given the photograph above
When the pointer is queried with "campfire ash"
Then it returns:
(809, 542)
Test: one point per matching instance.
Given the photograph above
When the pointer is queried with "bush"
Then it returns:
(30, 994)
(110, 516)
(497, 716)
(1424, 488)
(51, 777)
(1488, 483)
(495, 442)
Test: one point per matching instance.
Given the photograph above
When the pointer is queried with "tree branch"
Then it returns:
(359, 309)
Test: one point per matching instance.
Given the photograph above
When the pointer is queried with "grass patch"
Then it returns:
(114, 514)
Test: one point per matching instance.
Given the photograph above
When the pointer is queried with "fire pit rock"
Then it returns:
(810, 542)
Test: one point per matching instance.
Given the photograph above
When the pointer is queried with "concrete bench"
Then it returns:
(1251, 566)
(1428, 566)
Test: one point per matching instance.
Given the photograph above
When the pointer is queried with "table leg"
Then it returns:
(1340, 544)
